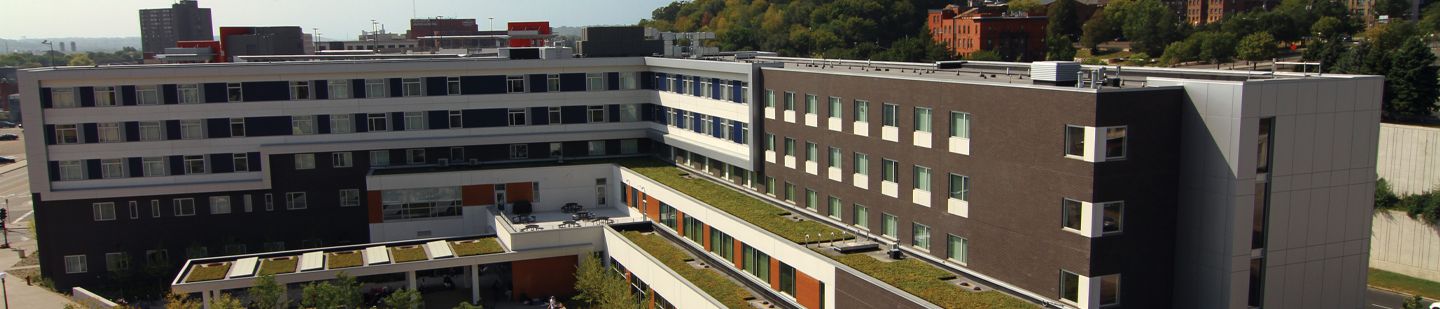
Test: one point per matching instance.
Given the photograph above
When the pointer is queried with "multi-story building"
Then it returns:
(261, 41)
(1158, 188)
(966, 30)
(1200, 12)
(183, 21)
(441, 27)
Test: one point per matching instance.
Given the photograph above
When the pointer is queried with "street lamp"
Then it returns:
(48, 57)
(2, 290)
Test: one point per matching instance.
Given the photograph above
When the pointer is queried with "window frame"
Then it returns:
(103, 211)
(342, 159)
(918, 240)
(924, 119)
(191, 168)
(349, 197)
(220, 205)
(183, 207)
(1124, 143)
(304, 161)
(960, 254)
(291, 199)
(1075, 148)
(80, 261)
(890, 115)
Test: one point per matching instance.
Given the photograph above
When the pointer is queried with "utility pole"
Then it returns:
(492, 24)
(48, 57)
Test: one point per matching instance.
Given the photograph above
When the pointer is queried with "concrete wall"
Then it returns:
(1409, 158)
(1406, 246)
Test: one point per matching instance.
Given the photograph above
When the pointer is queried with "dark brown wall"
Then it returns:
(1017, 169)
(853, 292)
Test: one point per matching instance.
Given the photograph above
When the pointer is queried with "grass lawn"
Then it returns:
(759, 213)
(278, 265)
(712, 282)
(207, 272)
(476, 247)
(344, 259)
(923, 280)
(1403, 283)
(407, 254)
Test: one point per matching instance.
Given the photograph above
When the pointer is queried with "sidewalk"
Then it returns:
(17, 293)
(13, 166)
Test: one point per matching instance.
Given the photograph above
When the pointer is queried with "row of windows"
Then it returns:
(222, 204)
(714, 88)
(923, 117)
(115, 132)
(115, 168)
(959, 185)
(714, 126)
(1115, 142)
(101, 96)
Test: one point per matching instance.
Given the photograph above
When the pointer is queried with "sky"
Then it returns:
(337, 19)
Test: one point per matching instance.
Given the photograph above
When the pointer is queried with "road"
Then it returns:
(1379, 299)
(15, 187)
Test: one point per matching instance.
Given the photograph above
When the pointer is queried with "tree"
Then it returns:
(1430, 19)
(600, 287)
(1059, 47)
(1414, 302)
(343, 293)
(1179, 52)
(1257, 46)
(465, 305)
(1023, 5)
(81, 59)
(179, 301)
(1328, 26)
(225, 301)
(914, 49)
(1412, 80)
(269, 294)
(1395, 9)
(985, 55)
(1063, 20)
(1099, 29)
(404, 299)
(1148, 24)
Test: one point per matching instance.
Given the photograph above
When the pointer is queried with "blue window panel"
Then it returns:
(172, 129)
(49, 134)
(439, 120)
(267, 126)
(92, 169)
(573, 114)
(490, 84)
(357, 88)
(137, 169)
(647, 80)
(539, 115)
(217, 127)
(395, 87)
(538, 82)
(612, 80)
(177, 165)
(127, 95)
(716, 128)
(322, 89)
(91, 133)
(86, 96)
(572, 82)
(216, 93)
(265, 91)
(735, 93)
(735, 132)
(254, 158)
(168, 92)
(613, 112)
(695, 85)
(362, 124)
(715, 89)
(45, 97)
(436, 86)
(696, 123)
(132, 131)
(397, 121)
(222, 163)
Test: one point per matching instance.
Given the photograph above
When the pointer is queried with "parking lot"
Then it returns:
(15, 148)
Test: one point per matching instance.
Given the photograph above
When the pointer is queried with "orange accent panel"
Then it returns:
(519, 191)
(706, 237)
(680, 223)
(774, 274)
(376, 216)
(476, 195)
(739, 255)
(807, 290)
(545, 277)
(652, 207)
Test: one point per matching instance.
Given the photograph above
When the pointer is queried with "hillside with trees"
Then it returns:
(887, 30)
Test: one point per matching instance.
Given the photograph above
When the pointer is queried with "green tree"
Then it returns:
(1023, 5)
(600, 287)
(81, 59)
(1385, 197)
(1099, 29)
(404, 299)
(1059, 47)
(985, 55)
(1328, 26)
(179, 301)
(1257, 46)
(269, 294)
(1063, 20)
(225, 301)
(1149, 24)
(1326, 51)
(1414, 302)
(913, 49)
(343, 293)
(466, 305)
(1179, 52)
(1412, 80)
(1396, 9)
(1430, 19)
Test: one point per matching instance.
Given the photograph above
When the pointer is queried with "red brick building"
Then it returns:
(1016, 36)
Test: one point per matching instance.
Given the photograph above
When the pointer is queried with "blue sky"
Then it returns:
(334, 18)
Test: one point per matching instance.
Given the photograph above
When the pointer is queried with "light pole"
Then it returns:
(492, 24)
(48, 57)
(3, 290)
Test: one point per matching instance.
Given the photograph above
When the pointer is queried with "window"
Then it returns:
(237, 127)
(552, 82)
(195, 164)
(789, 146)
(787, 279)
(304, 161)
(149, 131)
(1071, 214)
(861, 216)
(112, 168)
(519, 151)
(1263, 148)
(596, 113)
(922, 178)
(769, 98)
(452, 85)
(103, 211)
(134, 210)
(722, 244)
(596, 148)
(889, 225)
(340, 159)
(375, 88)
(242, 162)
(755, 263)
(153, 166)
(957, 249)
(295, 200)
(72, 170)
(219, 205)
(155, 208)
(1110, 290)
(300, 90)
(338, 89)
(960, 124)
(415, 156)
(789, 101)
(76, 264)
(144, 95)
(704, 88)
(1114, 217)
(812, 152)
(1069, 286)
(63, 97)
(117, 261)
(411, 87)
(1115, 143)
(960, 187)
(835, 109)
(889, 170)
(184, 207)
(517, 116)
(414, 121)
(812, 104)
(349, 197)
(515, 83)
(862, 111)
(457, 119)
(890, 115)
(812, 200)
(379, 157)
(595, 81)
(192, 129)
(342, 124)
(627, 81)
(922, 119)
(832, 208)
(834, 158)
(920, 236)
(1074, 141)
(67, 134)
(189, 93)
(789, 192)
(862, 164)
(378, 121)
(105, 96)
(554, 113)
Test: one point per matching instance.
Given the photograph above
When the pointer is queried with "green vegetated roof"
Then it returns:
(407, 254)
(344, 259)
(278, 266)
(924, 280)
(712, 282)
(207, 272)
(476, 247)
(757, 212)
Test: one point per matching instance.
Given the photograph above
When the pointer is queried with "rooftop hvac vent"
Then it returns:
(1059, 73)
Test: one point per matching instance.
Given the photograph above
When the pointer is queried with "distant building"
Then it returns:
(12, 106)
(1016, 36)
(258, 41)
(529, 34)
(617, 42)
(378, 41)
(9, 84)
(183, 21)
(1200, 12)
(441, 27)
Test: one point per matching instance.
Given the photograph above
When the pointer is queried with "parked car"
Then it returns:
(8, 137)
(7, 159)
(1435, 305)
(7, 124)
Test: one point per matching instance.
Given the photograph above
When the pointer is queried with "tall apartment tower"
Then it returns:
(183, 21)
